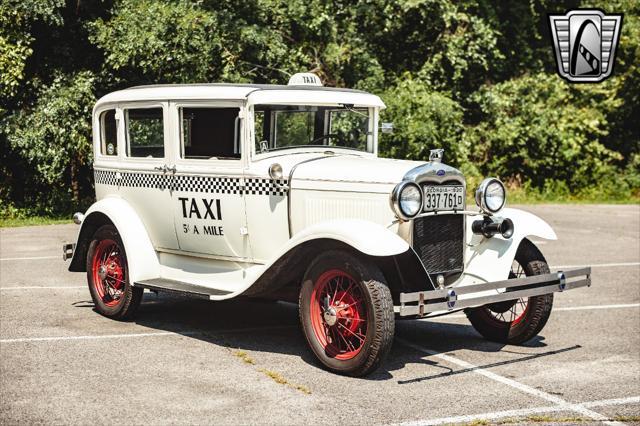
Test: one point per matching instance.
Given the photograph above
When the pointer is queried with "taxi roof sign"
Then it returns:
(304, 79)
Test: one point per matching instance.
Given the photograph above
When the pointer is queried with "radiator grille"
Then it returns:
(438, 241)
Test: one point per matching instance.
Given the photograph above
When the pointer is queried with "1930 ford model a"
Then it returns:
(222, 190)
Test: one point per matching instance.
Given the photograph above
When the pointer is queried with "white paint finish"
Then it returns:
(313, 207)
(496, 415)
(563, 404)
(267, 224)
(142, 258)
(355, 169)
(490, 259)
(175, 92)
(368, 237)
(314, 97)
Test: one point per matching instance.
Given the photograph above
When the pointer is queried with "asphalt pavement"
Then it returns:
(187, 361)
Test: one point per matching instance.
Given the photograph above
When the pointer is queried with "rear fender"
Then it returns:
(142, 259)
(490, 259)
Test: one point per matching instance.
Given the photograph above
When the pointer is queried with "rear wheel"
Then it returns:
(108, 275)
(346, 313)
(516, 321)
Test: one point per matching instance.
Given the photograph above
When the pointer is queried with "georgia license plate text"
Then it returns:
(443, 198)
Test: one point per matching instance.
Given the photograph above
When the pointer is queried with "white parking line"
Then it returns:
(31, 258)
(599, 265)
(566, 308)
(521, 413)
(561, 403)
(152, 334)
(46, 287)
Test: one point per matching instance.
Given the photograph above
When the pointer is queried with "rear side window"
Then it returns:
(145, 132)
(210, 133)
(108, 133)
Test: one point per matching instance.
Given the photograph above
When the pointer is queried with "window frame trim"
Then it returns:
(176, 107)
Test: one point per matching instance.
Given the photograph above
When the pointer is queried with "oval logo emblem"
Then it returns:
(440, 172)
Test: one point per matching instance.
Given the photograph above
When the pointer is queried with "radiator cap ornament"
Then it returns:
(436, 155)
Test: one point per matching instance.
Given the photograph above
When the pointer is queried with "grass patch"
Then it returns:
(244, 357)
(281, 380)
(11, 222)
(627, 419)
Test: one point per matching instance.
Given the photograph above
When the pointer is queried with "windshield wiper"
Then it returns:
(349, 107)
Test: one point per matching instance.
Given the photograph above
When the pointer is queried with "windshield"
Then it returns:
(292, 126)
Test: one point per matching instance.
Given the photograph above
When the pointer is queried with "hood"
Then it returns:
(353, 169)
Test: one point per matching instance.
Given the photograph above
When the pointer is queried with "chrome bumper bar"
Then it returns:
(447, 299)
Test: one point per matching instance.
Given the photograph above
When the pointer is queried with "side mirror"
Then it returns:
(386, 127)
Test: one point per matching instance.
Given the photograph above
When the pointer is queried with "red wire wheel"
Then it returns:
(109, 272)
(511, 312)
(346, 312)
(519, 320)
(338, 314)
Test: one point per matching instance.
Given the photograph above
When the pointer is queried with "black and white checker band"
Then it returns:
(216, 185)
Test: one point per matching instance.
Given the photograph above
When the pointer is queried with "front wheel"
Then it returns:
(346, 313)
(516, 321)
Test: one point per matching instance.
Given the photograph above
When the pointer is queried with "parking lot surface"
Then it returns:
(190, 361)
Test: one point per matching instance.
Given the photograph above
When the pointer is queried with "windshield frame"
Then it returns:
(372, 137)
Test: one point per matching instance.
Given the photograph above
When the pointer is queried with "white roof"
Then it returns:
(260, 93)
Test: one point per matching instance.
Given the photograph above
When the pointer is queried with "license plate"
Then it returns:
(443, 197)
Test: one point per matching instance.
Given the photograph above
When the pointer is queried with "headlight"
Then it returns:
(406, 200)
(491, 195)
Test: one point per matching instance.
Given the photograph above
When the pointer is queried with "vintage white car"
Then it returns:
(223, 190)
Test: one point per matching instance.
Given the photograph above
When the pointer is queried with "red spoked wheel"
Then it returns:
(511, 312)
(338, 314)
(346, 312)
(108, 268)
(516, 321)
(108, 275)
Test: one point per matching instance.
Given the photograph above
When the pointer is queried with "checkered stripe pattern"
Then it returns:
(207, 184)
(257, 186)
(253, 186)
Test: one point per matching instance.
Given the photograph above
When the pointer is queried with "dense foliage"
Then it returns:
(474, 77)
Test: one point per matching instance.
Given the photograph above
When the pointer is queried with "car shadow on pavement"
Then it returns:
(273, 327)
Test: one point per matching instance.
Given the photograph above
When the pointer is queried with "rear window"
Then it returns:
(108, 133)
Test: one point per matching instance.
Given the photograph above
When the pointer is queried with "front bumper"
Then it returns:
(447, 299)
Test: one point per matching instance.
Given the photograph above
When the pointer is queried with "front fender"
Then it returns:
(490, 259)
(368, 237)
(142, 259)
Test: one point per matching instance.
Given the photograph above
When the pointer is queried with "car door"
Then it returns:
(207, 190)
(143, 180)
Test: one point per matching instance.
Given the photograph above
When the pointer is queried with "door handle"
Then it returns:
(171, 169)
(162, 169)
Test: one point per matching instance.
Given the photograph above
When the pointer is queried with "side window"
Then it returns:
(108, 133)
(210, 133)
(145, 132)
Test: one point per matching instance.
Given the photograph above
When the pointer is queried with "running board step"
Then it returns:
(179, 287)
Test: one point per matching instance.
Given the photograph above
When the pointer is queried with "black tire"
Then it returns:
(374, 310)
(535, 315)
(126, 299)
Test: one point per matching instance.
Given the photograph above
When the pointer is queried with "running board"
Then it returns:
(448, 299)
(182, 288)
